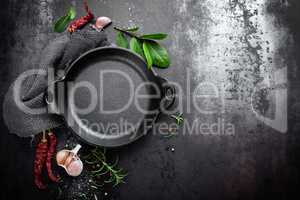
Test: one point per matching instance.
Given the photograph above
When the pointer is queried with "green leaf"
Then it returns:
(154, 36)
(147, 53)
(159, 55)
(136, 46)
(133, 29)
(62, 23)
(122, 40)
(72, 13)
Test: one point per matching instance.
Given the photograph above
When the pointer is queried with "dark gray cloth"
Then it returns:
(57, 55)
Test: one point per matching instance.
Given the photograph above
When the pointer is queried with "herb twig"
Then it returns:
(170, 132)
(170, 135)
(129, 33)
(179, 118)
(98, 157)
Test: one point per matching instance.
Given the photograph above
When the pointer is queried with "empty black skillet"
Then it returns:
(109, 98)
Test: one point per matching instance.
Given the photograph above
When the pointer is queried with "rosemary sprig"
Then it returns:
(179, 118)
(97, 157)
(170, 132)
(170, 135)
(82, 195)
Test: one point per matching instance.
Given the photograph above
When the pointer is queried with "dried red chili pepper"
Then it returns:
(51, 151)
(40, 158)
(79, 23)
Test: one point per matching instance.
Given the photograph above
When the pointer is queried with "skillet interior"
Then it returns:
(122, 73)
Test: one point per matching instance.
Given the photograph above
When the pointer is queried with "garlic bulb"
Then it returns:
(70, 161)
(101, 23)
(75, 168)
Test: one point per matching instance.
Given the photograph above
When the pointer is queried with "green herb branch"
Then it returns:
(179, 118)
(145, 45)
(129, 32)
(97, 158)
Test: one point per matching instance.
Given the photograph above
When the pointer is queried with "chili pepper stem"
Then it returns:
(44, 139)
(50, 133)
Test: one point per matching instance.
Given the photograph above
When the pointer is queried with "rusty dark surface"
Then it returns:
(233, 44)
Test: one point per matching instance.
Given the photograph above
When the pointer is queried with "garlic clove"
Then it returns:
(61, 157)
(102, 22)
(69, 160)
(75, 168)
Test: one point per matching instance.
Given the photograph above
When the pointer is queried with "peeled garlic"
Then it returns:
(70, 161)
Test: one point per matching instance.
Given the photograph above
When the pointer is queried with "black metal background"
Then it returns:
(258, 164)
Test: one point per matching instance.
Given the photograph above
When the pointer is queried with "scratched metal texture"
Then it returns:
(248, 50)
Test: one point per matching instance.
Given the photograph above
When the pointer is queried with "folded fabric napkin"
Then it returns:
(57, 55)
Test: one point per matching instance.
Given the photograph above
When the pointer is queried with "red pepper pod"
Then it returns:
(40, 158)
(51, 152)
(82, 21)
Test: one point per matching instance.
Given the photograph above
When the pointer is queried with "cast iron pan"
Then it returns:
(109, 98)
